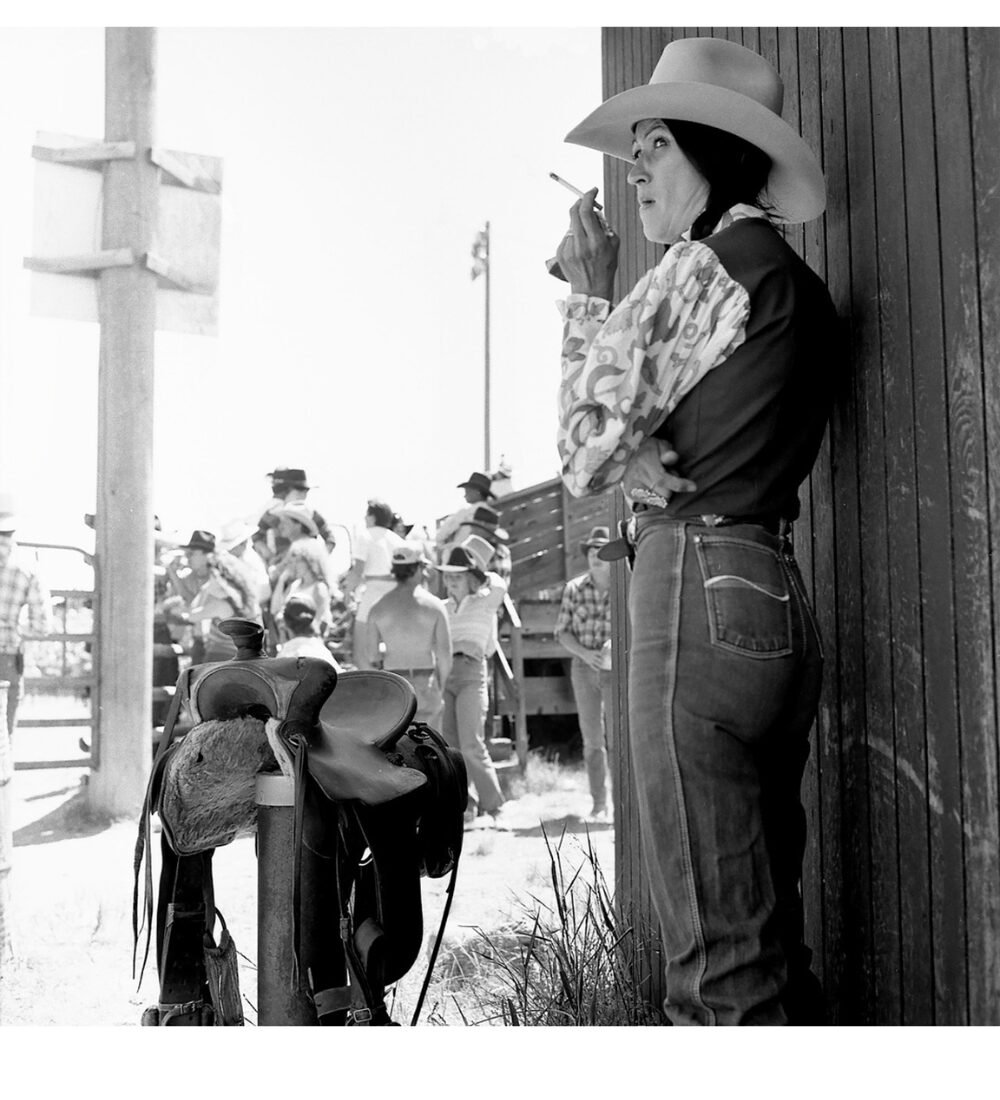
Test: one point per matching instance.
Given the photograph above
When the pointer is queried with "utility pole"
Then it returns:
(486, 362)
(481, 266)
(127, 313)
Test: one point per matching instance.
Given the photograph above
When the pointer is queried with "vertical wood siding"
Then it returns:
(897, 537)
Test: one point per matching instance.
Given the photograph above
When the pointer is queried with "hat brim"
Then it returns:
(497, 533)
(585, 546)
(796, 185)
(473, 485)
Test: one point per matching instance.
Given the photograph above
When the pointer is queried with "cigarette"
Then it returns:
(569, 187)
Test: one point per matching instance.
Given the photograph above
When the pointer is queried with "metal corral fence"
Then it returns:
(64, 665)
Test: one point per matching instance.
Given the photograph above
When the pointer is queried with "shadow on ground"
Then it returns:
(69, 820)
(554, 827)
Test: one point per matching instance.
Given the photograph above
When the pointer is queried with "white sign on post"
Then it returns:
(67, 254)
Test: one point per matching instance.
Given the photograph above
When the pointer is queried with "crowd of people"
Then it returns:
(424, 608)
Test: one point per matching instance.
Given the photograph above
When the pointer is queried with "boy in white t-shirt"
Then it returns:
(299, 614)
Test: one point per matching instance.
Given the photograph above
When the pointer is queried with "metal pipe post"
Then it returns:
(279, 1004)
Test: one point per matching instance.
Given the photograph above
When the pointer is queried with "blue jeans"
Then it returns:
(724, 678)
(466, 701)
(592, 692)
(12, 670)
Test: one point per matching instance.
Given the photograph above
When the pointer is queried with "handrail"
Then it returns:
(85, 554)
(508, 672)
(511, 611)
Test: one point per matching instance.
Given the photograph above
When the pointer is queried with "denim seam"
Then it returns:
(805, 607)
(669, 688)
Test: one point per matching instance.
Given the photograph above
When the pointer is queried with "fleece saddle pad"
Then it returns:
(209, 783)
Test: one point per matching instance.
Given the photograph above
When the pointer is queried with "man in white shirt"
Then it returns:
(370, 576)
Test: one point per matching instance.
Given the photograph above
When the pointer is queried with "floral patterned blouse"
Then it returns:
(625, 371)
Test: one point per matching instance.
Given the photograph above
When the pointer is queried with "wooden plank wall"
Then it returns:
(896, 540)
(546, 525)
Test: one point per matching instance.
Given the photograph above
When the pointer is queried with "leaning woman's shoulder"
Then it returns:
(688, 266)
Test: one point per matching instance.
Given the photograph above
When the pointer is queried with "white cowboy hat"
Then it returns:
(233, 533)
(300, 511)
(473, 554)
(720, 84)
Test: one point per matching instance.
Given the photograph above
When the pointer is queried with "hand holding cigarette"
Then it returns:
(588, 255)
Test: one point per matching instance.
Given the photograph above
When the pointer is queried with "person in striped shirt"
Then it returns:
(474, 596)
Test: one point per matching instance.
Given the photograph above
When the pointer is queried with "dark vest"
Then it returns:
(749, 431)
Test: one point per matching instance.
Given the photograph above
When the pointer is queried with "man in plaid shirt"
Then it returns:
(20, 587)
(584, 629)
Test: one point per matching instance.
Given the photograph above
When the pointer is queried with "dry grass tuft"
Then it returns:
(567, 962)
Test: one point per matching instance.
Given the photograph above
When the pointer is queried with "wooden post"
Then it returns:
(127, 308)
(6, 839)
(279, 1002)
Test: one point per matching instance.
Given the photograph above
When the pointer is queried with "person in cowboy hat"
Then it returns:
(485, 522)
(223, 591)
(21, 587)
(304, 569)
(478, 489)
(584, 629)
(235, 538)
(288, 484)
(474, 596)
(724, 357)
(411, 625)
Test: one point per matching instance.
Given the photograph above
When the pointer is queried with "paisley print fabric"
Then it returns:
(625, 371)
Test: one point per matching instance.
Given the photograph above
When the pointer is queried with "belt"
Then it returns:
(467, 656)
(624, 547)
(771, 523)
(412, 671)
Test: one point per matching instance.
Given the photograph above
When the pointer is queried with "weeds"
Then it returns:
(565, 963)
(543, 773)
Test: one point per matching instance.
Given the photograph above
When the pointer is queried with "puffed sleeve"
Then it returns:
(623, 374)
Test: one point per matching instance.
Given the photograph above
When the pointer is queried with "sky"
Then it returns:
(359, 165)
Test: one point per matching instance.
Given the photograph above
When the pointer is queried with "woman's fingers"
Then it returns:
(584, 220)
(647, 479)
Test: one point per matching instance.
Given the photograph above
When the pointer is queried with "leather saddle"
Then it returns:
(378, 802)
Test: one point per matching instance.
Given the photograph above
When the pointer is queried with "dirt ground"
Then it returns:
(72, 897)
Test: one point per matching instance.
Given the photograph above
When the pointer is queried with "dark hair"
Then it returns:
(736, 171)
(298, 618)
(380, 512)
(402, 571)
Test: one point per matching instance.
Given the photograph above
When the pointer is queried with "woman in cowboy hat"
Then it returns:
(474, 596)
(305, 573)
(722, 358)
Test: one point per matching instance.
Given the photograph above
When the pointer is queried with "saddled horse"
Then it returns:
(379, 801)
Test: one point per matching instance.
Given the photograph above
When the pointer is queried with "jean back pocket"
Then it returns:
(747, 597)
